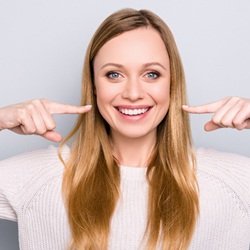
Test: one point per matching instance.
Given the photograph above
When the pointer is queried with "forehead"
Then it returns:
(141, 45)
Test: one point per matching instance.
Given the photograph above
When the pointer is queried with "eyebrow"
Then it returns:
(112, 64)
(144, 65)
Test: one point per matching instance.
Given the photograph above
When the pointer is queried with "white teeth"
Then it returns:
(133, 111)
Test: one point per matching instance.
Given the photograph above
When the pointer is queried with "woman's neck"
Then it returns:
(133, 152)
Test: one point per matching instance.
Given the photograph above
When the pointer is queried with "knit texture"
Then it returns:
(30, 193)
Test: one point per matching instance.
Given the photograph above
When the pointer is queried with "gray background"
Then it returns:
(42, 46)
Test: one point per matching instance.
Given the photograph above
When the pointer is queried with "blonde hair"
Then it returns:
(91, 183)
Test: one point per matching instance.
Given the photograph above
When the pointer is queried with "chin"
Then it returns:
(137, 133)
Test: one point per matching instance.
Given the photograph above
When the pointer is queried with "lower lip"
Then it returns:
(133, 117)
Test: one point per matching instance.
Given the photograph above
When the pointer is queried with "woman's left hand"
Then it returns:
(230, 112)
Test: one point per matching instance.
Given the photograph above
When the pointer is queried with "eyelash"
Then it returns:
(156, 75)
(112, 72)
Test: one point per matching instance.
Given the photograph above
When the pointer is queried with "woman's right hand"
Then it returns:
(35, 117)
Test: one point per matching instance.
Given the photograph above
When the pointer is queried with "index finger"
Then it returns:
(60, 108)
(206, 108)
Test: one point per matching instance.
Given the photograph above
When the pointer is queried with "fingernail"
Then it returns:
(184, 106)
(88, 106)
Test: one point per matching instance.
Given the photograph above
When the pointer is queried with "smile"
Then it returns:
(133, 112)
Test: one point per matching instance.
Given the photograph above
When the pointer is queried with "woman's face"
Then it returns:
(132, 81)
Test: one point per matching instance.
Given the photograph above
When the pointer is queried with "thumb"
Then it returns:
(211, 126)
(52, 136)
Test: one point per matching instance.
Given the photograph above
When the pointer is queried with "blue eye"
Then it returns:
(152, 75)
(113, 75)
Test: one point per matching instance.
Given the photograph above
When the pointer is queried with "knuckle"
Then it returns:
(41, 131)
(22, 112)
(38, 102)
(241, 103)
(30, 107)
(51, 126)
(235, 98)
(229, 97)
(226, 123)
(46, 104)
(216, 120)
(237, 124)
(246, 105)
(30, 130)
(34, 102)
(44, 101)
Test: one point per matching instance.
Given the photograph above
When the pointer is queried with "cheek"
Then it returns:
(102, 106)
(106, 92)
(101, 92)
(100, 97)
(104, 98)
(162, 98)
(161, 94)
(101, 100)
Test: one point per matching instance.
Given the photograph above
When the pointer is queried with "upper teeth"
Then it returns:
(133, 111)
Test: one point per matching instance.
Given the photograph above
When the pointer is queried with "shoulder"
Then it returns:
(34, 159)
(210, 160)
(24, 167)
(25, 177)
(225, 172)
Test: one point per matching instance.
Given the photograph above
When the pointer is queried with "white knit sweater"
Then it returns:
(30, 193)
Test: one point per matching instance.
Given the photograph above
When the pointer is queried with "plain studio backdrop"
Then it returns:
(42, 46)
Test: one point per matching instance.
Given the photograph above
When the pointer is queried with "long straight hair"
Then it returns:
(91, 183)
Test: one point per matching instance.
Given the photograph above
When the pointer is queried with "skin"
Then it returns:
(230, 112)
(133, 87)
(35, 117)
(132, 72)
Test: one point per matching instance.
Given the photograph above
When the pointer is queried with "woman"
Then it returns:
(131, 180)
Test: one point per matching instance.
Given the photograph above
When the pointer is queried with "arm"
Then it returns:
(35, 117)
(230, 112)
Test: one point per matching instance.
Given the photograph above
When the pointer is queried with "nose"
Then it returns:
(133, 90)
